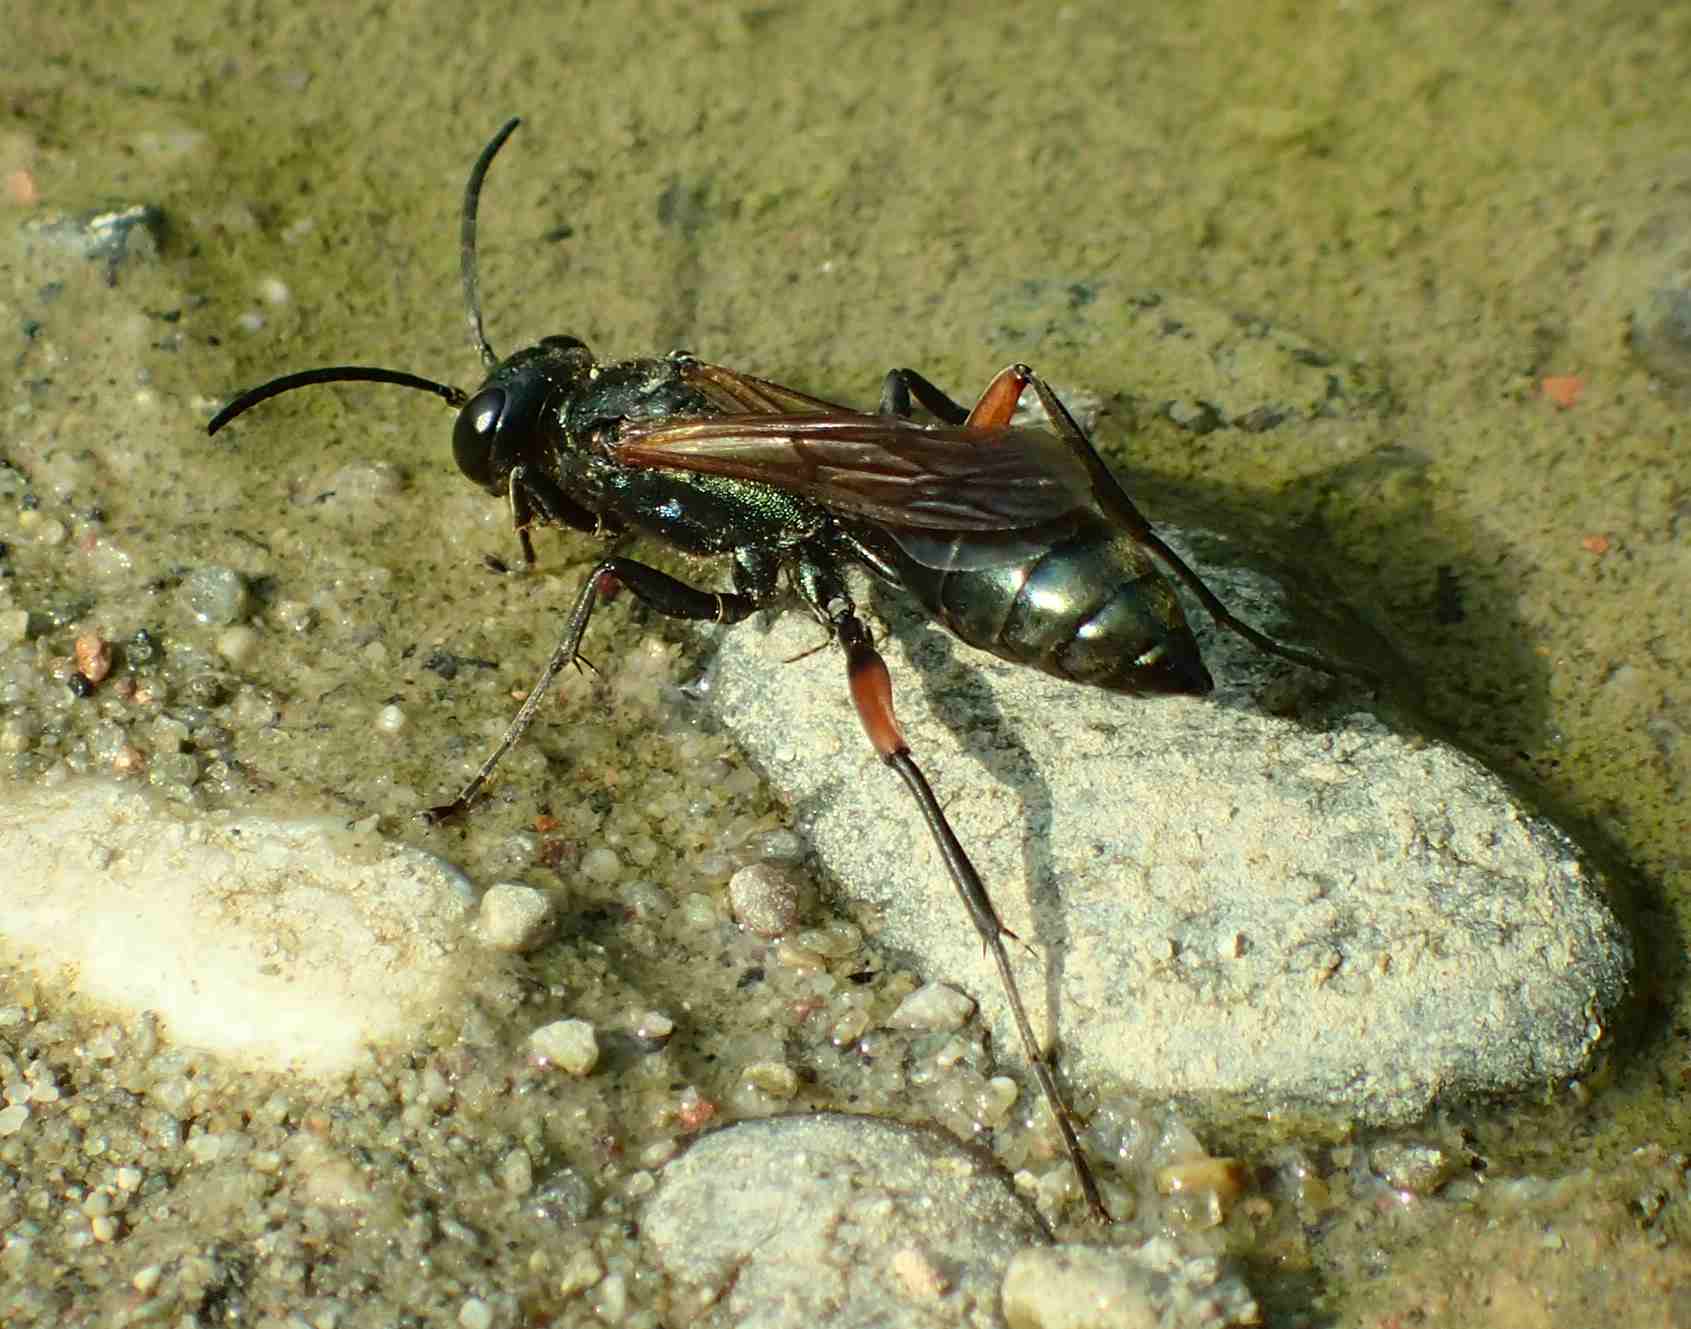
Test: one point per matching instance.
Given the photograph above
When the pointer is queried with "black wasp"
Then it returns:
(1018, 540)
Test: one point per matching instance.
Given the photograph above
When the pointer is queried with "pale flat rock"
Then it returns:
(1217, 901)
(834, 1221)
(277, 943)
(1153, 1286)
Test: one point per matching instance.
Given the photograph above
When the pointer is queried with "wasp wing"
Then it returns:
(734, 393)
(884, 469)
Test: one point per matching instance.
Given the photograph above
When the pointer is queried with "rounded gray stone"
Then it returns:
(1153, 1286)
(767, 898)
(1266, 897)
(835, 1221)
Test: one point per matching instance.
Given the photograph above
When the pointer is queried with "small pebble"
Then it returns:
(692, 1110)
(790, 955)
(40, 528)
(570, 1045)
(601, 865)
(513, 917)
(698, 911)
(933, 1006)
(775, 1078)
(1202, 1190)
(849, 1027)
(1418, 1168)
(836, 941)
(654, 1027)
(777, 846)
(581, 1271)
(611, 1303)
(295, 615)
(208, 1148)
(921, 1278)
(93, 656)
(766, 898)
(13, 1118)
(173, 770)
(475, 1314)
(216, 595)
(1223, 1175)
(516, 1172)
(1001, 1095)
(237, 644)
(659, 1152)
(1309, 1189)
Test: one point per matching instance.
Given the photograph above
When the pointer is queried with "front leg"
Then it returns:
(534, 497)
(755, 573)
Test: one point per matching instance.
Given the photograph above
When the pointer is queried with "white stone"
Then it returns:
(933, 1006)
(570, 1045)
(278, 943)
(513, 917)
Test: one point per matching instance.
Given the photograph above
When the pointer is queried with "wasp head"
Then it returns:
(504, 425)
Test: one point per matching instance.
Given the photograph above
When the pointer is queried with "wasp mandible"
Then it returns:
(1018, 540)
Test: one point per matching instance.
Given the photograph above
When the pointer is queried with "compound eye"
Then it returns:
(474, 434)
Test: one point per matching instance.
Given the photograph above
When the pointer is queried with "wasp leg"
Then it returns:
(757, 579)
(871, 692)
(1115, 501)
(534, 498)
(993, 410)
(997, 405)
(900, 385)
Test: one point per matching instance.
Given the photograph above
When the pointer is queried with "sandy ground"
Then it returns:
(1474, 202)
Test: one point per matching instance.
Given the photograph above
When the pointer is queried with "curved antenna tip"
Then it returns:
(467, 240)
(244, 402)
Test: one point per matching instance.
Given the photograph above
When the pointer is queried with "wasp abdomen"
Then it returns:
(1091, 609)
